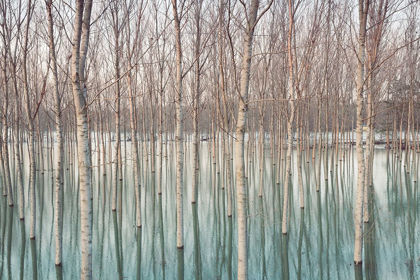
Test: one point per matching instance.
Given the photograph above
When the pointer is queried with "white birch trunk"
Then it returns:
(134, 147)
(241, 199)
(196, 102)
(358, 214)
(289, 121)
(30, 128)
(59, 138)
(79, 52)
(178, 135)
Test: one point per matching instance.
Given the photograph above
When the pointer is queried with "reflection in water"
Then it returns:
(138, 263)
(370, 239)
(299, 252)
(117, 245)
(59, 272)
(34, 259)
(285, 256)
(162, 237)
(319, 244)
(262, 220)
(230, 249)
(180, 262)
(197, 252)
(9, 241)
(358, 272)
(22, 248)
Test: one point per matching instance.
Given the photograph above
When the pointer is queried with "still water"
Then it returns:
(319, 244)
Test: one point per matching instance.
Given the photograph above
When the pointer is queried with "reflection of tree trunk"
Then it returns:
(117, 245)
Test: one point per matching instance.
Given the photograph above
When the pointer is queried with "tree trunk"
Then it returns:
(59, 151)
(178, 135)
(358, 214)
(241, 198)
(79, 52)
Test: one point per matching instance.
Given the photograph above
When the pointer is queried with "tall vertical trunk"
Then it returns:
(7, 185)
(290, 119)
(79, 51)
(358, 214)
(196, 100)
(178, 135)
(368, 157)
(134, 147)
(241, 199)
(18, 145)
(262, 150)
(117, 151)
(226, 149)
(31, 129)
(59, 138)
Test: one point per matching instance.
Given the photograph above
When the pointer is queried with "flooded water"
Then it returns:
(319, 243)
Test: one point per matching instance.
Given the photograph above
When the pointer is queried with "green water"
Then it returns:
(319, 244)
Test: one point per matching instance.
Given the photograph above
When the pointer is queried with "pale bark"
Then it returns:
(59, 152)
(7, 185)
(290, 119)
(368, 152)
(178, 135)
(79, 52)
(241, 198)
(17, 144)
(261, 154)
(358, 214)
(31, 129)
(116, 171)
(134, 147)
(196, 101)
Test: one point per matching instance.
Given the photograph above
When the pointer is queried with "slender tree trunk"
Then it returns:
(358, 214)
(31, 129)
(241, 199)
(79, 52)
(59, 152)
(196, 101)
(117, 151)
(17, 147)
(290, 119)
(134, 147)
(178, 135)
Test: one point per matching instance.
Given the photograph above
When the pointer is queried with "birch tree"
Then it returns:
(251, 11)
(132, 48)
(59, 138)
(178, 135)
(358, 213)
(30, 120)
(196, 96)
(79, 52)
(7, 185)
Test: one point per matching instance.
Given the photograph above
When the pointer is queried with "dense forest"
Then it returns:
(96, 86)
